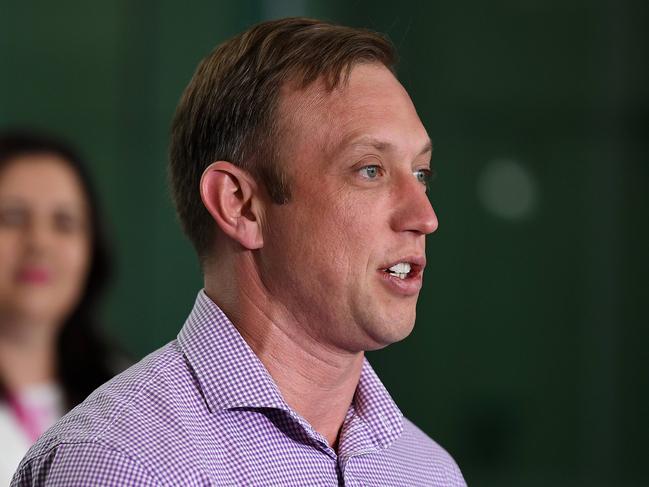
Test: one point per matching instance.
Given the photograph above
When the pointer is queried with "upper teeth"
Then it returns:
(401, 269)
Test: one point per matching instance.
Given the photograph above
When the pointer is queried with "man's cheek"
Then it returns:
(350, 216)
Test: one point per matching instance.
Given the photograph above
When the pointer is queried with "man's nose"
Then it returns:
(414, 211)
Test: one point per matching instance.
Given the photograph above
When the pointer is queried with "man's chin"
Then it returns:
(391, 332)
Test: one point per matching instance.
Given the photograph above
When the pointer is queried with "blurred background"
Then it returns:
(529, 360)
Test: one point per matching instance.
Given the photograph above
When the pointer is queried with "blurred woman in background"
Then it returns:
(54, 265)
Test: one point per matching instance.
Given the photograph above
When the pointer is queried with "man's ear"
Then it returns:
(231, 196)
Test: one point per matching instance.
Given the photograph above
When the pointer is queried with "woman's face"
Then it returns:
(44, 239)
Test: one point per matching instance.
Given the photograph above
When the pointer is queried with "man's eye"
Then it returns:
(370, 172)
(424, 176)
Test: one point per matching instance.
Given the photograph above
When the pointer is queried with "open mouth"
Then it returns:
(403, 270)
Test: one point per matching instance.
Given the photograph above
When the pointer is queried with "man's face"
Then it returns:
(357, 159)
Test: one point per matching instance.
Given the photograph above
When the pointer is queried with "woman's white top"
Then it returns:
(45, 404)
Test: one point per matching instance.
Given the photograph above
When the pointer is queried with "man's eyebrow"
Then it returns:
(428, 147)
(384, 145)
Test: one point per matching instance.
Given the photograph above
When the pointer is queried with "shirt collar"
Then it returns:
(232, 376)
(374, 405)
(228, 371)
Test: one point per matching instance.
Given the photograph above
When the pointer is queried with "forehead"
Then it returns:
(371, 105)
(40, 178)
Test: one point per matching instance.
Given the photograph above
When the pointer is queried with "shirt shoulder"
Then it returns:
(83, 464)
(427, 457)
(412, 459)
(128, 425)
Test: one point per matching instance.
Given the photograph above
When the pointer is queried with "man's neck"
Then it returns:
(315, 381)
(320, 391)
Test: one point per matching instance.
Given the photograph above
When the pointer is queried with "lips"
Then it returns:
(417, 264)
(404, 284)
(33, 275)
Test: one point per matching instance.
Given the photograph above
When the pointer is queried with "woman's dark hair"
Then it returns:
(84, 357)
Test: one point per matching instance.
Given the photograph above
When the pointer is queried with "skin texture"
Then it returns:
(305, 283)
(44, 260)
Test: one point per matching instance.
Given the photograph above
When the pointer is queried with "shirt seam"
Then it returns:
(98, 444)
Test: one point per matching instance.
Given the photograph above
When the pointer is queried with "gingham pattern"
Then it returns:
(203, 410)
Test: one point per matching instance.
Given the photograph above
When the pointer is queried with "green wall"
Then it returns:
(528, 361)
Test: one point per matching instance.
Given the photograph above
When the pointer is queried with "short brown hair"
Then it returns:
(228, 110)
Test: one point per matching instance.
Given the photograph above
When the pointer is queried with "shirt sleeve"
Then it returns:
(82, 464)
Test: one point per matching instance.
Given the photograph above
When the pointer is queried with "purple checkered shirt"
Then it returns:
(203, 410)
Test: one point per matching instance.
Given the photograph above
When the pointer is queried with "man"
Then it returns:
(299, 167)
